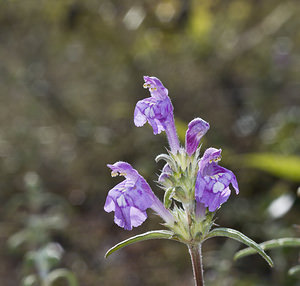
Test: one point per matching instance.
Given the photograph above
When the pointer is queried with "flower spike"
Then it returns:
(194, 188)
(158, 111)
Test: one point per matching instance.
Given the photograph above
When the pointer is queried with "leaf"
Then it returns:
(234, 234)
(294, 270)
(274, 243)
(155, 234)
(287, 167)
(61, 273)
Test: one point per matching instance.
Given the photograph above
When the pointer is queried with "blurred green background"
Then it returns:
(71, 73)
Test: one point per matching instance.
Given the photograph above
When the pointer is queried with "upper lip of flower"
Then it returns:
(155, 86)
(123, 169)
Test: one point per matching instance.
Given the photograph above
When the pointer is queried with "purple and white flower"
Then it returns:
(132, 197)
(212, 183)
(158, 111)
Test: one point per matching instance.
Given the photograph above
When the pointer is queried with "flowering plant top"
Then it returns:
(195, 182)
(195, 187)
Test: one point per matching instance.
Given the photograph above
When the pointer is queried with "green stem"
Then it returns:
(196, 257)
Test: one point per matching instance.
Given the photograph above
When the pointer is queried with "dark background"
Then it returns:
(71, 73)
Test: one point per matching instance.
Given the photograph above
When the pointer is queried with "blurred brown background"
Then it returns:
(71, 73)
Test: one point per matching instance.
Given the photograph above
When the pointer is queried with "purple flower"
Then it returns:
(212, 183)
(132, 197)
(158, 111)
(196, 130)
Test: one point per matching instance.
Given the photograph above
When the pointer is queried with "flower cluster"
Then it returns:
(195, 187)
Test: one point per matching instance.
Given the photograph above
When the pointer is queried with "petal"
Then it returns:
(235, 184)
(199, 187)
(109, 205)
(224, 175)
(212, 191)
(155, 111)
(196, 130)
(123, 169)
(218, 187)
(156, 125)
(122, 217)
(137, 217)
(220, 198)
(211, 155)
(125, 200)
(225, 195)
(141, 195)
(214, 200)
(156, 88)
(139, 118)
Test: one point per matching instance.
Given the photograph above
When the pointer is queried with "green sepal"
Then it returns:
(155, 234)
(168, 197)
(274, 243)
(180, 195)
(294, 270)
(234, 234)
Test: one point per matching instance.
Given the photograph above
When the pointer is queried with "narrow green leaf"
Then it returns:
(274, 243)
(234, 234)
(155, 234)
(60, 274)
(294, 270)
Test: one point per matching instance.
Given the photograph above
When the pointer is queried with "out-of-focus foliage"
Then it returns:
(287, 167)
(41, 216)
(275, 243)
(70, 75)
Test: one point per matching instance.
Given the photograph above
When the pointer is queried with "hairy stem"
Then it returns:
(196, 257)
